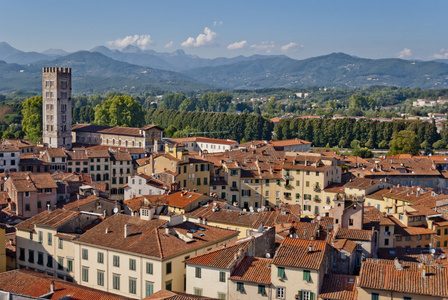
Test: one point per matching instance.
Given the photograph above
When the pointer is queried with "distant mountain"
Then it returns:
(96, 73)
(445, 61)
(174, 61)
(337, 69)
(7, 50)
(55, 52)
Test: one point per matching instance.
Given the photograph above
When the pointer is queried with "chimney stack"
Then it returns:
(310, 248)
(126, 230)
(52, 286)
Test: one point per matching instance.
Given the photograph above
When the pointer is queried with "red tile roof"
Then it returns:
(52, 219)
(89, 199)
(381, 274)
(292, 142)
(354, 234)
(253, 269)
(340, 287)
(164, 294)
(129, 131)
(34, 284)
(295, 253)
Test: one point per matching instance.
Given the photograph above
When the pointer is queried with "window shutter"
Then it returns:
(249, 192)
(242, 192)
(311, 296)
(300, 295)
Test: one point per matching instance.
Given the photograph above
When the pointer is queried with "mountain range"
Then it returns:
(133, 70)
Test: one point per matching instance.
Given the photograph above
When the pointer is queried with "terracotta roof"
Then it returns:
(292, 142)
(253, 269)
(34, 284)
(129, 131)
(77, 155)
(97, 153)
(304, 230)
(148, 238)
(354, 234)
(30, 182)
(344, 244)
(340, 287)
(402, 229)
(164, 294)
(381, 274)
(52, 219)
(135, 204)
(182, 199)
(392, 166)
(199, 139)
(89, 199)
(295, 253)
(56, 152)
(362, 183)
(8, 147)
(4, 198)
(142, 161)
(121, 156)
(222, 257)
(373, 218)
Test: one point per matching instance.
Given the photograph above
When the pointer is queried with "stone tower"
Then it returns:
(57, 107)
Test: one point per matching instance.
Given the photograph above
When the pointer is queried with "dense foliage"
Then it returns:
(341, 132)
(120, 110)
(32, 118)
(230, 126)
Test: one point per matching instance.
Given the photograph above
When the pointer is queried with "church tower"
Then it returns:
(57, 107)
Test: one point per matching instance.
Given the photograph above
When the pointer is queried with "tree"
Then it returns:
(189, 104)
(32, 118)
(169, 132)
(121, 110)
(404, 141)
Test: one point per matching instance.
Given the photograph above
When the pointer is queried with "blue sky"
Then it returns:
(300, 29)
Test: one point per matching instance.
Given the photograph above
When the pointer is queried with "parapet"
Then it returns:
(56, 70)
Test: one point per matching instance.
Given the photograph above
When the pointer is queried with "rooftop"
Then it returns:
(340, 287)
(253, 269)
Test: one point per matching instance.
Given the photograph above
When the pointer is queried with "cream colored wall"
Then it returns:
(379, 204)
(250, 291)
(293, 281)
(209, 282)
(23, 241)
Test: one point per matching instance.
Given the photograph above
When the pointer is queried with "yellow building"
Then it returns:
(191, 172)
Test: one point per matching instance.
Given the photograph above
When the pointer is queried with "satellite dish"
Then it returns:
(115, 210)
(268, 255)
(433, 251)
(318, 218)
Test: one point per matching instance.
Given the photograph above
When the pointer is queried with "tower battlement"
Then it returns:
(57, 70)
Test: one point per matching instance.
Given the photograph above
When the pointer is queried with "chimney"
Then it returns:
(52, 286)
(107, 230)
(167, 230)
(126, 230)
(310, 248)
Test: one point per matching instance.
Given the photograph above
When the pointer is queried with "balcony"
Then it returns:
(317, 199)
(233, 188)
(288, 186)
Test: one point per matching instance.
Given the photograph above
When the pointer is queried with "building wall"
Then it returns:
(137, 186)
(2, 250)
(250, 291)
(208, 283)
(293, 282)
(57, 107)
(9, 161)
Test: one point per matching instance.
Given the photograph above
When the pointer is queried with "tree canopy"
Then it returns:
(404, 141)
(120, 110)
(32, 118)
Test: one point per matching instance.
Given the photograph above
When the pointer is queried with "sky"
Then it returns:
(408, 29)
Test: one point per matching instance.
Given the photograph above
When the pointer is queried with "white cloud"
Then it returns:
(217, 23)
(169, 45)
(204, 39)
(237, 45)
(443, 54)
(142, 41)
(405, 53)
(291, 47)
(266, 46)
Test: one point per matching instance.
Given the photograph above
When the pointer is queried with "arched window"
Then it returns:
(106, 176)
(98, 177)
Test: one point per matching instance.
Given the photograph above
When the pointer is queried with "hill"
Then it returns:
(337, 69)
(96, 73)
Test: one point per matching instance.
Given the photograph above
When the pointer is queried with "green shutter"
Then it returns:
(300, 295)
(281, 272)
(311, 296)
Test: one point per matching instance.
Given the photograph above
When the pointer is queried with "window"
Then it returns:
(116, 261)
(306, 275)
(85, 274)
(100, 258)
(21, 254)
(85, 254)
(240, 287)
(375, 296)
(280, 293)
(49, 261)
(408, 238)
(50, 239)
(27, 207)
(132, 286)
(307, 184)
(168, 268)
(60, 244)
(261, 289)
(60, 263)
(132, 264)
(222, 276)
(31, 256)
(198, 292)
(407, 298)
(100, 278)
(40, 258)
(149, 288)
(149, 268)
(197, 272)
(281, 272)
(221, 296)
(69, 265)
(27, 194)
(169, 285)
(116, 282)
(399, 238)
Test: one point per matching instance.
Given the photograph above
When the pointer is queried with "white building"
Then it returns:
(9, 157)
(197, 144)
(142, 184)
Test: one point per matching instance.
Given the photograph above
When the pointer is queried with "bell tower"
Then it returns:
(57, 107)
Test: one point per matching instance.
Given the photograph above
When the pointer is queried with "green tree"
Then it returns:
(120, 110)
(169, 132)
(32, 118)
(404, 141)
